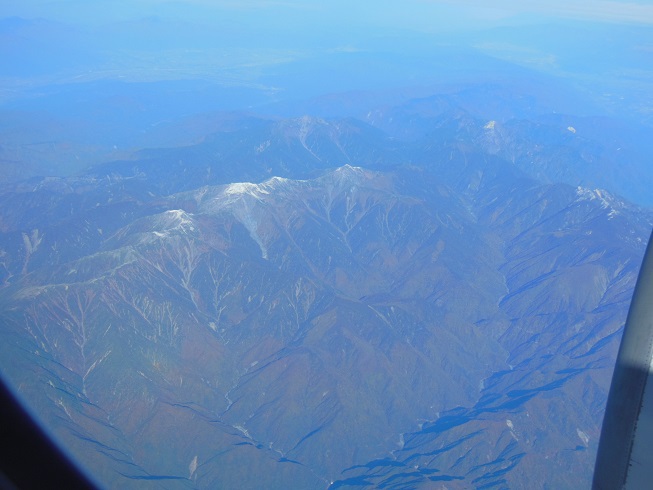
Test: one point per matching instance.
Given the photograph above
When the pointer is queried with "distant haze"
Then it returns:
(413, 14)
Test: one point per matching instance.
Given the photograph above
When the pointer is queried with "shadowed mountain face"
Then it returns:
(449, 322)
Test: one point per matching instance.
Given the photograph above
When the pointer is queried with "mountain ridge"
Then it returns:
(222, 304)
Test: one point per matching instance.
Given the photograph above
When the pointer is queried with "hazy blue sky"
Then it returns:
(412, 14)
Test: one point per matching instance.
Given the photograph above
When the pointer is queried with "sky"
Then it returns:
(409, 14)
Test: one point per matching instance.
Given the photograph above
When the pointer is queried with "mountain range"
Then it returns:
(326, 303)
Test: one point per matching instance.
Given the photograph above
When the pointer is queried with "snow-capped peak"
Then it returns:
(245, 188)
(605, 199)
(173, 220)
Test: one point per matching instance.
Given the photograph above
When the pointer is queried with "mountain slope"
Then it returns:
(356, 328)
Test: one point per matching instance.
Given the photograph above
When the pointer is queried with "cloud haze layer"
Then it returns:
(414, 14)
(595, 10)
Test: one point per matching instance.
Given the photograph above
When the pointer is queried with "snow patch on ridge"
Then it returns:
(173, 221)
(214, 199)
(511, 426)
(605, 199)
(249, 221)
(245, 188)
(247, 201)
(583, 436)
(223, 196)
(348, 175)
